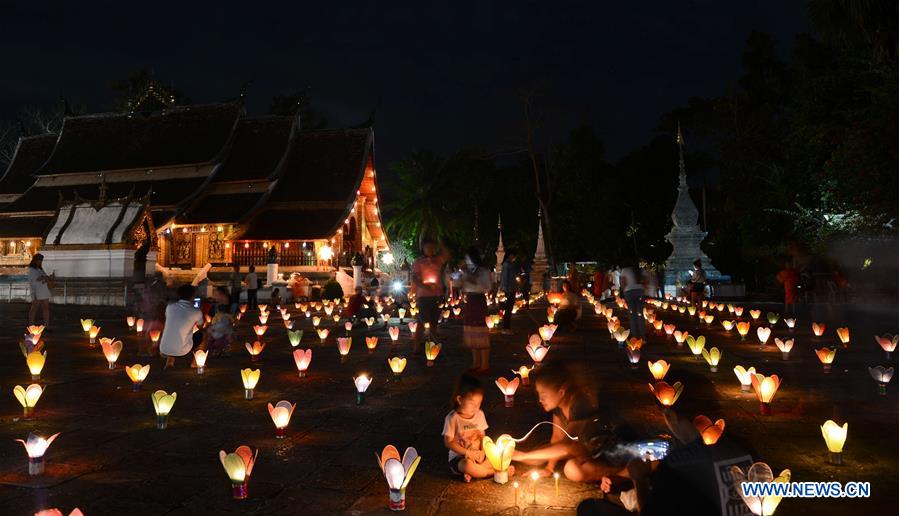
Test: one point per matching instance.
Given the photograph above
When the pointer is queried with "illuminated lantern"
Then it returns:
(696, 345)
(137, 373)
(243, 308)
(709, 431)
(499, 454)
(633, 356)
(35, 362)
(755, 314)
(730, 308)
(369, 321)
(759, 472)
(743, 329)
(397, 365)
(385, 318)
(658, 369)
(335, 318)
(93, 332)
(371, 343)
(139, 326)
(765, 389)
(712, 356)
(263, 318)
(200, 359)
(888, 343)
(763, 333)
(329, 309)
(111, 350)
(524, 372)
(826, 356)
(249, 377)
(773, 318)
(784, 346)
(413, 327)
(818, 329)
(401, 312)
(536, 349)
(745, 377)
(239, 467)
(285, 315)
(669, 329)
(683, 309)
(728, 325)
(621, 336)
(394, 332)
(457, 311)
(680, 337)
(508, 389)
(348, 326)
(790, 322)
(162, 404)
(835, 438)
(302, 358)
(28, 397)
(255, 350)
(343, 347)
(362, 382)
(635, 342)
(86, 325)
(738, 311)
(657, 324)
(263, 308)
(489, 322)
(36, 446)
(843, 334)
(35, 331)
(323, 334)
(691, 310)
(295, 337)
(260, 330)
(280, 414)
(548, 330)
(882, 375)
(613, 325)
(398, 472)
(667, 394)
(709, 319)
(432, 349)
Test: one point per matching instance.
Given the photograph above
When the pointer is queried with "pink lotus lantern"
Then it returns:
(348, 326)
(260, 330)
(280, 414)
(130, 320)
(139, 326)
(818, 329)
(413, 327)
(36, 446)
(394, 332)
(302, 358)
(784, 346)
(888, 343)
(343, 347)
(669, 329)
(111, 350)
(680, 337)
(738, 311)
(508, 389)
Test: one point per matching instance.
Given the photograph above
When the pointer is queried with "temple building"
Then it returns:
(124, 195)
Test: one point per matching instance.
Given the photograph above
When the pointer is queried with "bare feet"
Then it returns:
(467, 478)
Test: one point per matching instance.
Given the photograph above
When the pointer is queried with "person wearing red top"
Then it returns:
(427, 283)
(789, 277)
(600, 283)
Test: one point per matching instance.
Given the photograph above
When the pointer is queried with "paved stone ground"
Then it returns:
(110, 459)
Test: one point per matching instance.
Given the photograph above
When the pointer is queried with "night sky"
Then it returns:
(446, 73)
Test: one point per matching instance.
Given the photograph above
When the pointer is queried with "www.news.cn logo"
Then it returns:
(806, 489)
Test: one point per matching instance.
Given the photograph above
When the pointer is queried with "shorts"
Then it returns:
(454, 465)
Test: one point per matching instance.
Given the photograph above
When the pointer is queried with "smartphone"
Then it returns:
(654, 449)
(196, 302)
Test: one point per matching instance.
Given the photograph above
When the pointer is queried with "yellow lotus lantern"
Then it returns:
(665, 393)
(843, 334)
(362, 382)
(691, 310)
(755, 314)
(745, 377)
(239, 467)
(743, 329)
(398, 472)
(397, 365)
(394, 332)
(499, 454)
(137, 373)
(457, 311)
(92, 333)
(139, 326)
(765, 389)
(536, 349)
(818, 329)
(35, 362)
(260, 330)
(524, 372)
(335, 318)
(835, 438)
(280, 414)
(728, 325)
(547, 331)
(759, 472)
(162, 404)
(712, 356)
(200, 360)
(111, 350)
(86, 325)
(371, 343)
(28, 397)
(263, 318)
(263, 308)
(709, 318)
(763, 333)
(790, 322)
(36, 446)
(508, 389)
(385, 318)
(343, 347)
(696, 345)
(773, 317)
(709, 431)
(323, 334)
(249, 377)
(432, 349)
(784, 346)
(683, 309)
(658, 369)
(826, 356)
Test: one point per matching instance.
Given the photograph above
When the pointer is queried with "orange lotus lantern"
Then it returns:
(665, 393)
(658, 369)
(137, 373)
(657, 324)
(888, 343)
(826, 356)
(508, 389)
(280, 414)
(302, 358)
(621, 335)
(709, 318)
(255, 349)
(765, 389)
(371, 343)
(554, 298)
(669, 329)
(709, 431)
(343, 347)
(35, 362)
(784, 346)
(35, 330)
(843, 334)
(432, 349)
(93, 332)
(200, 359)
(818, 329)
(139, 326)
(111, 350)
(743, 329)
(745, 377)
(263, 318)
(154, 335)
(260, 330)
(524, 372)
(755, 314)
(680, 337)
(323, 333)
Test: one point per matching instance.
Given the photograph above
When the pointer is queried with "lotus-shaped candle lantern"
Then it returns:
(323, 334)
(200, 359)
(398, 472)
(712, 356)
(508, 389)
(86, 325)
(727, 325)
(536, 349)
(765, 388)
(432, 349)
(745, 377)
(397, 365)
(835, 439)
(362, 382)
(137, 373)
(773, 317)
(658, 369)
(457, 311)
(680, 337)
(657, 324)
(548, 330)
(784, 346)
(759, 472)
(401, 312)
(613, 325)
(93, 332)
(35, 362)
(281, 413)
(621, 335)
(524, 372)
(111, 350)
(888, 343)
(302, 358)
(826, 356)
(394, 332)
(260, 330)
(709, 431)
(738, 311)
(28, 397)
(343, 347)
(249, 377)
(239, 467)
(285, 316)
(413, 327)
(843, 334)
(371, 343)
(755, 314)
(743, 329)
(790, 322)
(763, 333)
(709, 318)
(35, 330)
(263, 318)
(369, 321)
(489, 322)
(633, 355)
(329, 309)
(255, 349)
(882, 375)
(691, 310)
(162, 404)
(696, 345)
(36, 446)
(263, 308)
(669, 329)
(665, 393)
(818, 329)
(385, 318)
(139, 326)
(499, 454)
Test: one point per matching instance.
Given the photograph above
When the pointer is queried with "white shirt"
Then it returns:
(252, 281)
(629, 275)
(177, 335)
(40, 291)
(465, 432)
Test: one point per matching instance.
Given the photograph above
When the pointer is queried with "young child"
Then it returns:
(463, 430)
(276, 297)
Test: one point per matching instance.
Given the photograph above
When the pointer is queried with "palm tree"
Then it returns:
(422, 199)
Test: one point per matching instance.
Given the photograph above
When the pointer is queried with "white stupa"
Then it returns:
(685, 235)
